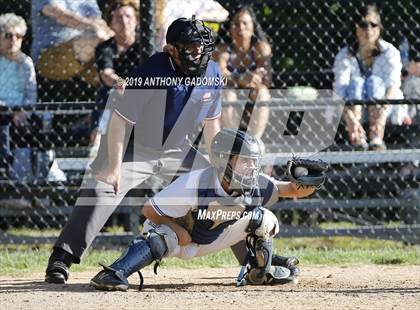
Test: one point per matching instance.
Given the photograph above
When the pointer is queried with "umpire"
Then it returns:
(162, 115)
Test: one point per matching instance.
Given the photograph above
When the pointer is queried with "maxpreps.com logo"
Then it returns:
(220, 214)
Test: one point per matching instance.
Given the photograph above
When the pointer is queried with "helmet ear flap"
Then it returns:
(221, 161)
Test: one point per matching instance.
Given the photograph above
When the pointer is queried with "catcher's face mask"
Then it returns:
(243, 172)
(237, 158)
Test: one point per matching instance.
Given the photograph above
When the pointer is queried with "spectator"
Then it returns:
(411, 86)
(116, 57)
(18, 88)
(65, 34)
(368, 68)
(167, 11)
(245, 59)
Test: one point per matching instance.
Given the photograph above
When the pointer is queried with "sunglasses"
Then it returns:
(364, 24)
(9, 35)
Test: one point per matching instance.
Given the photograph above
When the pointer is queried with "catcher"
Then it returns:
(211, 209)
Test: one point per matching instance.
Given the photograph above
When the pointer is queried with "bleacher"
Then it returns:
(376, 191)
(47, 203)
(368, 181)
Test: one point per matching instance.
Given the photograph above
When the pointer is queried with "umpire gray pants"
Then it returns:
(97, 200)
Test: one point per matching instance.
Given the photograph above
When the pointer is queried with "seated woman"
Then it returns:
(18, 88)
(369, 68)
(245, 59)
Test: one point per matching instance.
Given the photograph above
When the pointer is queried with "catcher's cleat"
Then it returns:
(276, 275)
(294, 274)
(279, 276)
(57, 272)
(109, 280)
(288, 262)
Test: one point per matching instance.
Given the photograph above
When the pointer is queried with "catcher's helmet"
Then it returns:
(229, 143)
(184, 31)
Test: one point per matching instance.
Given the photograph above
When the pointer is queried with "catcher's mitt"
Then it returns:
(306, 172)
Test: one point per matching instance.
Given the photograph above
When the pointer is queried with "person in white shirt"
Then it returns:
(370, 68)
(211, 209)
(18, 88)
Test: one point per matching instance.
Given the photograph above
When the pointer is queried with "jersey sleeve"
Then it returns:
(216, 107)
(269, 190)
(391, 69)
(342, 72)
(56, 3)
(130, 104)
(177, 199)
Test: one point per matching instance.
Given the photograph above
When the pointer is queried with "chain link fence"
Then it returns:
(370, 193)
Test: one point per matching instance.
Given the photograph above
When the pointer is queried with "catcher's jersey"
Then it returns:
(199, 203)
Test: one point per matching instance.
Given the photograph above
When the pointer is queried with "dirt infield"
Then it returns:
(360, 287)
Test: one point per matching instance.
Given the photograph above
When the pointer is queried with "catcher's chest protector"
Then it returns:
(214, 213)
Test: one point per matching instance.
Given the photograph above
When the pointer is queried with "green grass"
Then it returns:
(311, 251)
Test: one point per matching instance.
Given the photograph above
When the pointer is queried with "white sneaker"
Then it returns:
(56, 174)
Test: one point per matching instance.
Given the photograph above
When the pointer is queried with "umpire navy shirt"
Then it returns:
(164, 106)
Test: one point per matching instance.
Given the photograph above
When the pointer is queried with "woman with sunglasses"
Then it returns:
(18, 88)
(17, 74)
(368, 68)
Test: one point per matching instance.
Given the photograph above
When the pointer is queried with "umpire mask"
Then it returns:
(195, 44)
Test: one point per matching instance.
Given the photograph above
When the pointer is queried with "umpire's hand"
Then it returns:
(111, 177)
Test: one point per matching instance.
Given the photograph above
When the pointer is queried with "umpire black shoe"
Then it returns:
(58, 266)
(109, 280)
(57, 272)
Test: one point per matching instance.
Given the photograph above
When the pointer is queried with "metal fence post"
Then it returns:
(147, 26)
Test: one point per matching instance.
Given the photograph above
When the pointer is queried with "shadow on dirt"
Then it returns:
(40, 286)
